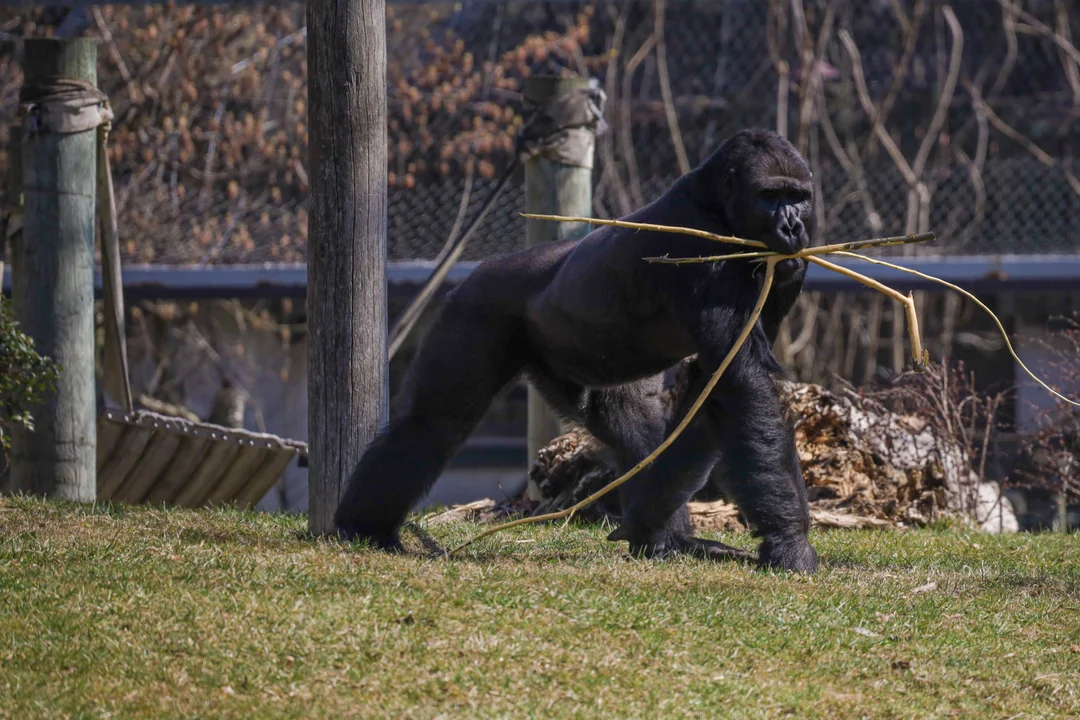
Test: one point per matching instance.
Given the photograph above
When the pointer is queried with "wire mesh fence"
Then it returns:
(914, 114)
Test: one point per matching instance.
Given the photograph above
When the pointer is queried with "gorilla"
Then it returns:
(594, 327)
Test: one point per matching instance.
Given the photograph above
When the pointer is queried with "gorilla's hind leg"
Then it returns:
(467, 357)
(633, 419)
(656, 520)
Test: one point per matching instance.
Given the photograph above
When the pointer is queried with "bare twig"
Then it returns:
(808, 252)
(1033, 26)
(114, 53)
(1008, 24)
(607, 141)
(863, 93)
(783, 69)
(1041, 155)
(647, 226)
(1068, 63)
(946, 93)
(975, 300)
(665, 90)
(920, 357)
(626, 138)
(450, 253)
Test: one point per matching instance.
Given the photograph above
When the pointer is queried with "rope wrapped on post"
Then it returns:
(64, 106)
(565, 129)
(562, 130)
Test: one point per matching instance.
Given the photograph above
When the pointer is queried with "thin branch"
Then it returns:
(449, 255)
(1008, 24)
(975, 300)
(809, 325)
(607, 141)
(626, 137)
(647, 226)
(903, 66)
(920, 357)
(114, 53)
(665, 90)
(1034, 26)
(867, 103)
(783, 69)
(1029, 145)
(850, 161)
(1065, 32)
(947, 92)
(808, 252)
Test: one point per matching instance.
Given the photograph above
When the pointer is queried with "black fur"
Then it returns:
(594, 327)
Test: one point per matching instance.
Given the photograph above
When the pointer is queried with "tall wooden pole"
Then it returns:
(552, 188)
(54, 297)
(347, 374)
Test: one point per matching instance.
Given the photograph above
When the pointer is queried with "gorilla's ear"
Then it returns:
(729, 183)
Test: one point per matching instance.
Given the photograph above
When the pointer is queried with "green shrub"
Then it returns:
(25, 376)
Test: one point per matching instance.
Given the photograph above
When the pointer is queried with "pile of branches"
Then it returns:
(871, 459)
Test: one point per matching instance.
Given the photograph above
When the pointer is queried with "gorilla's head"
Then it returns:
(766, 194)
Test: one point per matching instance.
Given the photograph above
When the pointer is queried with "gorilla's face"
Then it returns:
(779, 213)
(775, 207)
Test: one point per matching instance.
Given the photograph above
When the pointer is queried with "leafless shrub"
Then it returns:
(1050, 458)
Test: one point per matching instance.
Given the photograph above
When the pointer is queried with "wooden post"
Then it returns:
(54, 297)
(1061, 512)
(552, 188)
(347, 373)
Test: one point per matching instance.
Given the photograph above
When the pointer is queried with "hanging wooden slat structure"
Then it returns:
(144, 457)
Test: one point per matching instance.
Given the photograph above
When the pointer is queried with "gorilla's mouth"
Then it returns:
(790, 270)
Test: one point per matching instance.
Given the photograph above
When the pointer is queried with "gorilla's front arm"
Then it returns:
(593, 326)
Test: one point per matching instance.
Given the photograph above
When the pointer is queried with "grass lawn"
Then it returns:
(141, 613)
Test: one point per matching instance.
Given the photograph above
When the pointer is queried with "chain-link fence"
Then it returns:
(975, 105)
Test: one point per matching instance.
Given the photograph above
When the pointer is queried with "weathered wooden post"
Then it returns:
(554, 187)
(54, 296)
(347, 373)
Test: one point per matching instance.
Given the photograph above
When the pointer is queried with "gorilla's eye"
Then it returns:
(770, 196)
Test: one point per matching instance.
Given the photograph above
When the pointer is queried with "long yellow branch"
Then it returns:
(808, 252)
(766, 286)
(975, 300)
(920, 357)
(648, 226)
(730, 239)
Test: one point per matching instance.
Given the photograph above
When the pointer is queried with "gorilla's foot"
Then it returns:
(712, 550)
(794, 554)
(664, 545)
(386, 542)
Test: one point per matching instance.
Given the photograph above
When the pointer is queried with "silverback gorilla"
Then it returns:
(593, 327)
